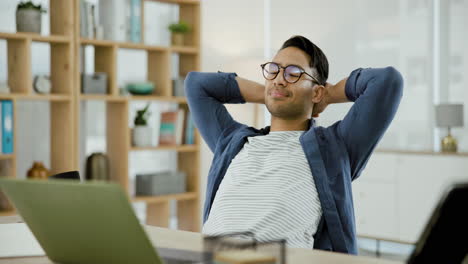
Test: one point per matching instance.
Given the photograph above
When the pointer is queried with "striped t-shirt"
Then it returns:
(269, 190)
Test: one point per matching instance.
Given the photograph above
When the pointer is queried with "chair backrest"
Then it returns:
(443, 240)
(69, 175)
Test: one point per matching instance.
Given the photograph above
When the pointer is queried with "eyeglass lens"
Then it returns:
(291, 73)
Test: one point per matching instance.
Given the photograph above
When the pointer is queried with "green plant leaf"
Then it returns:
(141, 118)
(30, 5)
(181, 27)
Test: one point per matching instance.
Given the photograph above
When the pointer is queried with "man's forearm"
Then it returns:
(336, 93)
(252, 92)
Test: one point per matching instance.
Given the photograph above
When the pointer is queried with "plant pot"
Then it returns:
(142, 136)
(177, 39)
(28, 20)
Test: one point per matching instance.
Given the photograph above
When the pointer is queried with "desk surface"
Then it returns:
(168, 238)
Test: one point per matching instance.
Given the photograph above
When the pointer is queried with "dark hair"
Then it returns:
(318, 60)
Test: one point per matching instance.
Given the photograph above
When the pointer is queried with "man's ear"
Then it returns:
(318, 92)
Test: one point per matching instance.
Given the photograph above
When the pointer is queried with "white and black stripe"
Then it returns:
(269, 190)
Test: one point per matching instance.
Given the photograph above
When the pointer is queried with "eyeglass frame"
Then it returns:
(284, 70)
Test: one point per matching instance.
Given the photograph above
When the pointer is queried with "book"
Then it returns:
(7, 127)
(171, 127)
(135, 21)
(92, 21)
(83, 20)
(89, 20)
(112, 16)
(189, 130)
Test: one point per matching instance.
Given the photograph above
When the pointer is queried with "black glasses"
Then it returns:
(291, 73)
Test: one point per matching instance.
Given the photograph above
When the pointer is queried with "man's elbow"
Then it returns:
(192, 81)
(393, 81)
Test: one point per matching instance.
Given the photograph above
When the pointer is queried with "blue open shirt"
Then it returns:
(336, 154)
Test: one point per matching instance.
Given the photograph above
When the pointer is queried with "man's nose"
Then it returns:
(279, 79)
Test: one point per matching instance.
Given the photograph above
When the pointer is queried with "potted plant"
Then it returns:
(177, 32)
(142, 133)
(28, 17)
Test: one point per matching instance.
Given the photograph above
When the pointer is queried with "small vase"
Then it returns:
(97, 167)
(28, 20)
(38, 171)
(142, 136)
(177, 39)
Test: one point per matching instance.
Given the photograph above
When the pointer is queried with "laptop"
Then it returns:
(90, 222)
(445, 236)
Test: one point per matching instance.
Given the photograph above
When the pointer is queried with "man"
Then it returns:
(291, 180)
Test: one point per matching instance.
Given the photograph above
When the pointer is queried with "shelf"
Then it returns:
(184, 2)
(122, 45)
(140, 46)
(7, 213)
(35, 37)
(180, 148)
(164, 198)
(102, 97)
(6, 156)
(97, 42)
(157, 98)
(129, 45)
(121, 98)
(184, 49)
(45, 97)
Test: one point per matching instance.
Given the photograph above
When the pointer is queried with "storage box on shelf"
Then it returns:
(20, 82)
(117, 111)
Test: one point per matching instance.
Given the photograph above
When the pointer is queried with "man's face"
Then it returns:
(290, 100)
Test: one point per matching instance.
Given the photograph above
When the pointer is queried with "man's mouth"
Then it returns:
(279, 94)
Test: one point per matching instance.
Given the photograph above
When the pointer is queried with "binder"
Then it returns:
(7, 127)
(1, 134)
(135, 21)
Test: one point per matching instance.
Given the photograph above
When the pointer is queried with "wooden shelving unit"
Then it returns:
(20, 81)
(7, 156)
(181, 148)
(66, 97)
(117, 111)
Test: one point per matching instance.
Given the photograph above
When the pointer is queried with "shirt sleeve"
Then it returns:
(206, 95)
(376, 94)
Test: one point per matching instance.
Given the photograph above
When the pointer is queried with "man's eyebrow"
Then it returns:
(291, 64)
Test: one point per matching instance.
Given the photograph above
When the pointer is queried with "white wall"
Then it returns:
(370, 33)
(232, 41)
(457, 67)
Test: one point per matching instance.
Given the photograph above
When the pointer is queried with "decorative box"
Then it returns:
(94, 83)
(160, 183)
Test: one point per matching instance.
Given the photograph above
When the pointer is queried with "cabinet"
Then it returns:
(397, 192)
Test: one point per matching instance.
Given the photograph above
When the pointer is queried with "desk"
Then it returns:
(168, 238)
